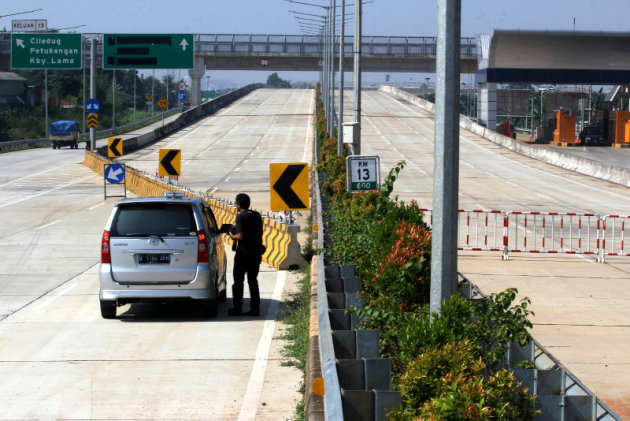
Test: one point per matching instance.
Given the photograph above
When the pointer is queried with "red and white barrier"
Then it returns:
(480, 230)
(613, 236)
(551, 232)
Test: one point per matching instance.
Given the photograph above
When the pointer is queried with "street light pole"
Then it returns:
(356, 145)
(446, 155)
(341, 54)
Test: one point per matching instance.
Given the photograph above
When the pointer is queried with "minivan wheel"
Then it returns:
(209, 308)
(108, 309)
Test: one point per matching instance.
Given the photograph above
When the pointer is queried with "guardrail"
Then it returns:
(86, 136)
(559, 393)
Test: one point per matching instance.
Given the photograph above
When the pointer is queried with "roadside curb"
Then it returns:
(313, 403)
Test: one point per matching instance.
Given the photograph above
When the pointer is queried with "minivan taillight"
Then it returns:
(202, 248)
(106, 257)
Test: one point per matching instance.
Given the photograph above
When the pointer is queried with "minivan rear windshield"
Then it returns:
(161, 219)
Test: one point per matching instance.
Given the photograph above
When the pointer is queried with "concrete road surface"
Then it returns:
(60, 360)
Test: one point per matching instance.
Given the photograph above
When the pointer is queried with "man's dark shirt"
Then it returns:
(249, 223)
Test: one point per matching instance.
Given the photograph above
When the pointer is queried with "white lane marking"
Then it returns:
(48, 224)
(96, 206)
(214, 189)
(63, 292)
(237, 169)
(309, 132)
(47, 191)
(257, 377)
(28, 176)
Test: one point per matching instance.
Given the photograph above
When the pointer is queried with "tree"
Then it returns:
(276, 81)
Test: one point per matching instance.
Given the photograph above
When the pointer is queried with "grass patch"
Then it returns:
(296, 315)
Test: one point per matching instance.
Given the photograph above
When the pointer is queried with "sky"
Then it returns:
(380, 18)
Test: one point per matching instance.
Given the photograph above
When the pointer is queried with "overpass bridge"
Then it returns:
(299, 52)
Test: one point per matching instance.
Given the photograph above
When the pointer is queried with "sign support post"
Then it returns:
(92, 87)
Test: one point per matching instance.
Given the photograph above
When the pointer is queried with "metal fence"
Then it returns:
(541, 232)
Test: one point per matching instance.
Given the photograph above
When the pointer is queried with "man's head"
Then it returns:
(243, 201)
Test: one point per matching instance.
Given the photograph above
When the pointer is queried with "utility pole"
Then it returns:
(341, 54)
(356, 145)
(446, 155)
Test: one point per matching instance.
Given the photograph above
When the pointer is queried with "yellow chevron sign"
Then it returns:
(92, 120)
(170, 162)
(114, 147)
(289, 186)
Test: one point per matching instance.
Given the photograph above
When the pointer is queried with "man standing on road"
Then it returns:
(247, 232)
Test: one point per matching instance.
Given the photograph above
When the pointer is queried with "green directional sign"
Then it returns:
(46, 51)
(148, 51)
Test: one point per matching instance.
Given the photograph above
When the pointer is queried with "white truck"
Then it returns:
(64, 133)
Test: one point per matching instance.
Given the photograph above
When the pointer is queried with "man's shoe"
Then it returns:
(235, 312)
(252, 313)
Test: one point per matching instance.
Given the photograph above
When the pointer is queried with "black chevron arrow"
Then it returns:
(166, 162)
(283, 186)
(114, 146)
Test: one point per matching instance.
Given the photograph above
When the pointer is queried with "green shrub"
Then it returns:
(449, 383)
(489, 323)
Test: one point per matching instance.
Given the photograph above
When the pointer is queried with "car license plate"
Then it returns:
(154, 259)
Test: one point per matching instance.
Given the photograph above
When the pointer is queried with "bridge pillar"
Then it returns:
(488, 105)
(196, 73)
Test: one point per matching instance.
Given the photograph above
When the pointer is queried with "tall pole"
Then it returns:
(326, 71)
(332, 66)
(356, 145)
(83, 126)
(114, 100)
(341, 54)
(46, 98)
(92, 86)
(446, 155)
(134, 95)
(153, 93)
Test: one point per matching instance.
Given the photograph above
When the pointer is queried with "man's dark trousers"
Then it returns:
(250, 267)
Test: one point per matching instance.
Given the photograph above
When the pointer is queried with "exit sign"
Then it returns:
(148, 51)
(46, 51)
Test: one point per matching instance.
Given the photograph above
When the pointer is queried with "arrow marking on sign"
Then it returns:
(184, 44)
(166, 162)
(113, 175)
(283, 186)
(114, 146)
(20, 42)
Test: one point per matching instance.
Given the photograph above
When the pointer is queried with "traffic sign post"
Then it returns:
(363, 172)
(46, 51)
(148, 51)
(289, 186)
(114, 174)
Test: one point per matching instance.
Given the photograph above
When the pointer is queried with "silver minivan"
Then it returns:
(161, 249)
